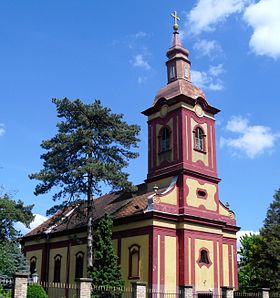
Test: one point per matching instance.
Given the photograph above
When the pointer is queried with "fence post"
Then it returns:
(138, 289)
(227, 292)
(186, 291)
(265, 292)
(20, 285)
(83, 287)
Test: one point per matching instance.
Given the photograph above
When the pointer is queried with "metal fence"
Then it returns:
(248, 294)
(155, 294)
(60, 290)
(111, 292)
(274, 293)
(6, 283)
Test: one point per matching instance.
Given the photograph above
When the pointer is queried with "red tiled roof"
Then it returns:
(117, 204)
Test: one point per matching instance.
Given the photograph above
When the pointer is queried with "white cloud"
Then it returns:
(140, 34)
(216, 70)
(2, 129)
(35, 223)
(208, 13)
(139, 61)
(208, 80)
(207, 47)
(264, 18)
(218, 86)
(141, 80)
(251, 140)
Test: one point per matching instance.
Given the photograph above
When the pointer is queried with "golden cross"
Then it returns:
(175, 16)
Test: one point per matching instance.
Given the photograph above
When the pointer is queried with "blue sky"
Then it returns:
(115, 51)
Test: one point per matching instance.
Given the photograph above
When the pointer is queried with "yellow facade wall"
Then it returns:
(160, 183)
(115, 245)
(196, 155)
(38, 255)
(58, 251)
(170, 258)
(192, 200)
(190, 259)
(158, 261)
(226, 264)
(218, 264)
(170, 198)
(204, 276)
(232, 266)
(223, 210)
(143, 242)
(73, 251)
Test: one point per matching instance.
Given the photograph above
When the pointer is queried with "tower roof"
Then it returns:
(179, 82)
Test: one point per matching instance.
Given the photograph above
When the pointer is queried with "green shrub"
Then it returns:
(4, 293)
(36, 291)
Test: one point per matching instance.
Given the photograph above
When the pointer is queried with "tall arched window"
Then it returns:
(165, 140)
(57, 268)
(134, 259)
(79, 264)
(199, 139)
(165, 144)
(32, 268)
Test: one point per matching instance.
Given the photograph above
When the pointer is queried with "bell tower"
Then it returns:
(183, 183)
(181, 132)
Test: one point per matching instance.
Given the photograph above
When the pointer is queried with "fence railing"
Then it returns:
(274, 294)
(60, 290)
(111, 292)
(6, 282)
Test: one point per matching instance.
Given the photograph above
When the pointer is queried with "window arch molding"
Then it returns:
(79, 264)
(57, 268)
(204, 258)
(134, 261)
(199, 137)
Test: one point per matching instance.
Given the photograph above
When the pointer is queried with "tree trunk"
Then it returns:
(89, 225)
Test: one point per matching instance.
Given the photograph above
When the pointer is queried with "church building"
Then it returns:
(174, 230)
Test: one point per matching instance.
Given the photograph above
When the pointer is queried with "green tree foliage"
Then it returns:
(36, 291)
(5, 293)
(92, 146)
(106, 269)
(271, 236)
(260, 254)
(250, 272)
(11, 258)
(11, 212)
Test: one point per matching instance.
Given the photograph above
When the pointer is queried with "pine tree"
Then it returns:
(106, 269)
(91, 147)
(271, 235)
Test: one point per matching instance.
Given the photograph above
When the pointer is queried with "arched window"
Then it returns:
(165, 144)
(172, 72)
(165, 140)
(134, 259)
(57, 268)
(204, 257)
(32, 268)
(199, 139)
(79, 264)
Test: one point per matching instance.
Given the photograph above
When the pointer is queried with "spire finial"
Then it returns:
(176, 18)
